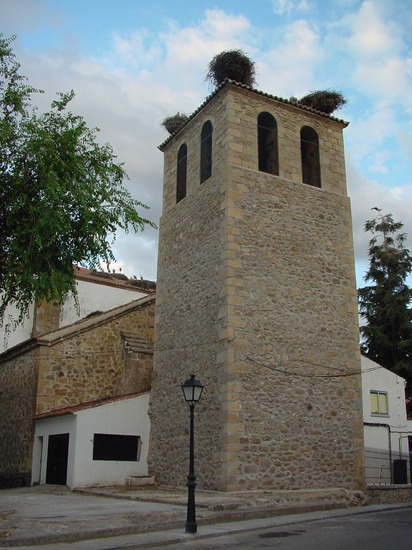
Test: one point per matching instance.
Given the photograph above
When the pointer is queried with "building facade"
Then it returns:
(388, 432)
(256, 295)
(97, 443)
(104, 357)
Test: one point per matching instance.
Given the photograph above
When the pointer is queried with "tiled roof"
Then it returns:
(88, 405)
(227, 82)
(118, 280)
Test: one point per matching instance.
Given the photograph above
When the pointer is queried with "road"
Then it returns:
(379, 528)
(385, 530)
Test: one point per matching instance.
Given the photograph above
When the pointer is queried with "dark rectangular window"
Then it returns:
(206, 151)
(268, 144)
(181, 173)
(309, 149)
(116, 447)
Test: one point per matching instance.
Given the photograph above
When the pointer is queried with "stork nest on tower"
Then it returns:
(175, 122)
(326, 101)
(232, 64)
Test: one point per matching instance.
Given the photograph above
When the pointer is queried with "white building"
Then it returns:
(93, 444)
(388, 433)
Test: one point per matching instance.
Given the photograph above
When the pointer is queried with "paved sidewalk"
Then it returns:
(53, 516)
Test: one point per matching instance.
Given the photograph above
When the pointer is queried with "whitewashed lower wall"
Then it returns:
(126, 417)
(44, 428)
(386, 435)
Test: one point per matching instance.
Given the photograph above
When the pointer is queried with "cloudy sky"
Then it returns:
(134, 62)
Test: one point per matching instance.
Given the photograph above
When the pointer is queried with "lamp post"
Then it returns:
(192, 390)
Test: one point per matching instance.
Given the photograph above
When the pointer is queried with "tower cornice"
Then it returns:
(232, 83)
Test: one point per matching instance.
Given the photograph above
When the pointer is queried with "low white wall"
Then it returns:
(44, 428)
(126, 417)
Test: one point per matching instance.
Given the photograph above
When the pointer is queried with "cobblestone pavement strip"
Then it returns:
(47, 514)
(58, 515)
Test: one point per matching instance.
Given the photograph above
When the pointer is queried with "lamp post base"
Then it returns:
(191, 524)
(191, 528)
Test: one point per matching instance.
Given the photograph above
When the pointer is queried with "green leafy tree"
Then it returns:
(385, 303)
(61, 195)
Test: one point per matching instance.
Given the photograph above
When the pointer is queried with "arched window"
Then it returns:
(268, 144)
(206, 151)
(181, 173)
(309, 148)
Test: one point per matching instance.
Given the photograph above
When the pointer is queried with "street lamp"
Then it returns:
(192, 390)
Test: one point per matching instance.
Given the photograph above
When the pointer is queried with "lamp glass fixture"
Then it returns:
(192, 389)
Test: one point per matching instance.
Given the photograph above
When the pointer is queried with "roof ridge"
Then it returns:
(70, 409)
(228, 81)
(118, 280)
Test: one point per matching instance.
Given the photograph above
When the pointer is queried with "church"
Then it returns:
(255, 294)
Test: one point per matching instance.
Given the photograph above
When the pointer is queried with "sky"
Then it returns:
(132, 63)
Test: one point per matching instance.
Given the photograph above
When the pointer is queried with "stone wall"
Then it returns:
(84, 362)
(294, 352)
(187, 305)
(91, 364)
(256, 295)
(46, 317)
(292, 306)
(389, 494)
(188, 302)
(17, 406)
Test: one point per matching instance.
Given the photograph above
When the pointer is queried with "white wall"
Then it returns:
(377, 378)
(126, 417)
(94, 297)
(44, 428)
(387, 439)
(20, 334)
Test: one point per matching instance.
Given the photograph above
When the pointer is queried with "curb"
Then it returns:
(206, 518)
(212, 518)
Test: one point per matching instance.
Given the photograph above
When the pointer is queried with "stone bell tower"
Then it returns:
(256, 295)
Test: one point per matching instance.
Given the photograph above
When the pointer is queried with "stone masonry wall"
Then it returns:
(256, 296)
(296, 334)
(91, 365)
(46, 317)
(45, 374)
(294, 412)
(188, 300)
(17, 405)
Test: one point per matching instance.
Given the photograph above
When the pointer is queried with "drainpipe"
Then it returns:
(378, 425)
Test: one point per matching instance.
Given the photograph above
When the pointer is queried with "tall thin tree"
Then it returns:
(385, 303)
